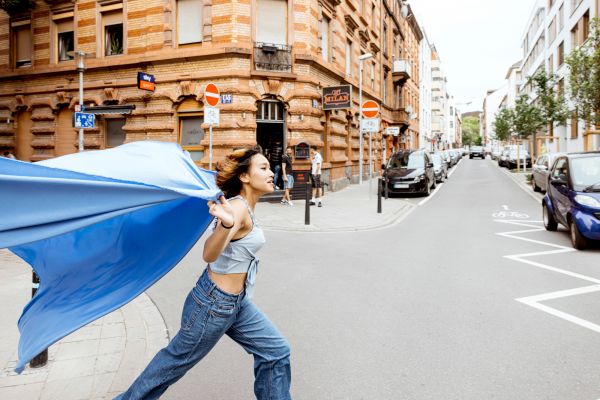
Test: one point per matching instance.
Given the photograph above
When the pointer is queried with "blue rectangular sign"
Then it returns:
(226, 98)
(83, 120)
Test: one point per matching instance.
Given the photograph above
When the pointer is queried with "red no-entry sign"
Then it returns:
(212, 95)
(370, 109)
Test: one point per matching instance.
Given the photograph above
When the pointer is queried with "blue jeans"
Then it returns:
(208, 314)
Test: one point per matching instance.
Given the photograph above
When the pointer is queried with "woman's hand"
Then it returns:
(222, 210)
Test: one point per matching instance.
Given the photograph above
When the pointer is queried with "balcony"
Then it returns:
(400, 117)
(272, 57)
(401, 71)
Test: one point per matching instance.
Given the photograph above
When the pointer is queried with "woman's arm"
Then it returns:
(230, 219)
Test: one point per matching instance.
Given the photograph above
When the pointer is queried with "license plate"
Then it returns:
(400, 186)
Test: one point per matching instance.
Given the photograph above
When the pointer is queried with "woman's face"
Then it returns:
(259, 176)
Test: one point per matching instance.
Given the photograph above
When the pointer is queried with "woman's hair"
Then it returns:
(230, 170)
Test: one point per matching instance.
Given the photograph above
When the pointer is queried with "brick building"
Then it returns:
(271, 57)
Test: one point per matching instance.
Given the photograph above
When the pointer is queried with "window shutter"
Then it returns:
(272, 21)
(112, 18)
(23, 43)
(189, 21)
(64, 25)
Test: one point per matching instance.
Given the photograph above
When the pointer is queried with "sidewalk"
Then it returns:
(96, 362)
(101, 359)
(349, 209)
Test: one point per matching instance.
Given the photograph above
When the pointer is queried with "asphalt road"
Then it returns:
(437, 307)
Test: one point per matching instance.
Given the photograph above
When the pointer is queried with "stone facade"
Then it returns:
(38, 97)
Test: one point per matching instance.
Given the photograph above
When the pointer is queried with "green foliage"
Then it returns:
(528, 118)
(470, 131)
(551, 103)
(14, 7)
(504, 123)
(584, 77)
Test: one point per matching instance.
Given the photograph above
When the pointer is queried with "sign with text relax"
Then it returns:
(337, 97)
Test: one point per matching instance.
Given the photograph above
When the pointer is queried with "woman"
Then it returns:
(220, 302)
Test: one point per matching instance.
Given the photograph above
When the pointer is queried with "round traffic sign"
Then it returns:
(370, 109)
(212, 95)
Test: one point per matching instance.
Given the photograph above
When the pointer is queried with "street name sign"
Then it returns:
(392, 130)
(211, 94)
(83, 120)
(370, 109)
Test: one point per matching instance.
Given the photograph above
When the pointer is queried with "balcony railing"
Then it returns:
(401, 71)
(272, 57)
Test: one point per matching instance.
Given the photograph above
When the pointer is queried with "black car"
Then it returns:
(410, 171)
(476, 151)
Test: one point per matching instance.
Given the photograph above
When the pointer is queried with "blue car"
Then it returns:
(573, 197)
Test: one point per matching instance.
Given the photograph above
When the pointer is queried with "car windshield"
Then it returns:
(585, 171)
(476, 148)
(407, 160)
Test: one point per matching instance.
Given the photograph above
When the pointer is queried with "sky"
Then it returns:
(477, 40)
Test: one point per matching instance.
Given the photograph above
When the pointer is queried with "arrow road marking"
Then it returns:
(536, 300)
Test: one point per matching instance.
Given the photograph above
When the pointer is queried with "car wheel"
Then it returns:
(536, 188)
(577, 239)
(549, 222)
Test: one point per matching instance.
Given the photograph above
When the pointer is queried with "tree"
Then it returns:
(550, 102)
(504, 123)
(15, 7)
(528, 118)
(470, 131)
(584, 77)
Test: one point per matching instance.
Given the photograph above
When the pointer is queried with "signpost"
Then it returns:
(211, 114)
(370, 123)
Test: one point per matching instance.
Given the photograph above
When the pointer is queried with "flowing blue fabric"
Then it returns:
(99, 228)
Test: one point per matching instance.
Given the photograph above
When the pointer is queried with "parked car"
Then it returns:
(573, 197)
(541, 171)
(454, 156)
(440, 168)
(496, 153)
(503, 159)
(446, 157)
(477, 151)
(410, 171)
(513, 156)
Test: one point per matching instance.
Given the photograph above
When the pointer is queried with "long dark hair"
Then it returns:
(230, 170)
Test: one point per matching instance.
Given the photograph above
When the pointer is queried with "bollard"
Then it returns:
(379, 184)
(41, 359)
(386, 183)
(308, 196)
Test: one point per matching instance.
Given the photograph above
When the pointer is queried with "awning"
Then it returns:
(118, 109)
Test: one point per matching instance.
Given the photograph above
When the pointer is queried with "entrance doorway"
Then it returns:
(270, 132)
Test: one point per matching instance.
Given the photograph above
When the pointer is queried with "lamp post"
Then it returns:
(360, 146)
(80, 68)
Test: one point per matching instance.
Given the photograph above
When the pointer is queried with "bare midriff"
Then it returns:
(229, 283)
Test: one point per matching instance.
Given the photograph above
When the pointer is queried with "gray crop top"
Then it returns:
(239, 256)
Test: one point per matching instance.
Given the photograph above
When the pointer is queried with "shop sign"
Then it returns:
(393, 130)
(302, 151)
(145, 81)
(337, 97)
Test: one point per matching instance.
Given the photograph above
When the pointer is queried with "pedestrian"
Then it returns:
(8, 154)
(315, 175)
(275, 158)
(288, 176)
(220, 302)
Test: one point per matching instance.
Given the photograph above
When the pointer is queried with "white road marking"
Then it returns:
(505, 207)
(536, 300)
(426, 199)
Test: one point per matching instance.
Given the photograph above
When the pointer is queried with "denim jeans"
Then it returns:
(208, 314)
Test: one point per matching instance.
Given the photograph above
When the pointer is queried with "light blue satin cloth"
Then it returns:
(99, 228)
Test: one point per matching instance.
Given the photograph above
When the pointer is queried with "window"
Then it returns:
(551, 64)
(384, 84)
(373, 75)
(325, 38)
(349, 58)
(189, 21)
(561, 18)
(384, 40)
(112, 23)
(272, 22)
(574, 125)
(552, 30)
(65, 36)
(21, 43)
(191, 134)
(585, 26)
(373, 17)
(269, 111)
(561, 54)
(115, 135)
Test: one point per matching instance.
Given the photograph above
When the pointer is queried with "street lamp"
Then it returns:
(80, 56)
(360, 148)
(404, 9)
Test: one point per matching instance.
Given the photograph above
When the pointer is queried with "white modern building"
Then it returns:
(425, 133)
(439, 103)
(491, 105)
(554, 28)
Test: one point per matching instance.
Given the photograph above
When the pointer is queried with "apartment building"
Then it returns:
(425, 133)
(555, 27)
(439, 103)
(491, 105)
(271, 60)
